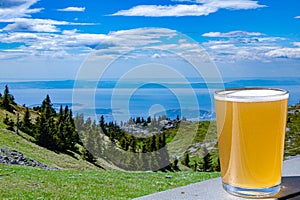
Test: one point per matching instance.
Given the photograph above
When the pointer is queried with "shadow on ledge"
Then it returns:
(290, 188)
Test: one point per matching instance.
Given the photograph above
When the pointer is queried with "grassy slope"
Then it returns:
(79, 179)
(19, 182)
(9, 139)
(31, 150)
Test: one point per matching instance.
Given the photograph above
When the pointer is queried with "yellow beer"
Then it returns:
(251, 130)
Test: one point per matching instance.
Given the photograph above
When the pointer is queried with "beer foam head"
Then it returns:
(251, 94)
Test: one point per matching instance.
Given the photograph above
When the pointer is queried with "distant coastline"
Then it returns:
(111, 83)
(32, 92)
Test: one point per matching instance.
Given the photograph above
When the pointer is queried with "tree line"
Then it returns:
(61, 132)
(107, 140)
(52, 130)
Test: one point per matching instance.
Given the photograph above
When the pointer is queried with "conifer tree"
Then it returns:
(124, 144)
(88, 123)
(61, 115)
(75, 135)
(46, 134)
(218, 167)
(175, 165)
(18, 124)
(145, 124)
(159, 142)
(42, 135)
(47, 108)
(130, 121)
(26, 124)
(79, 122)
(66, 132)
(207, 165)
(60, 135)
(153, 144)
(89, 135)
(7, 100)
(138, 120)
(72, 122)
(102, 124)
(149, 119)
(99, 143)
(186, 159)
(132, 144)
(88, 156)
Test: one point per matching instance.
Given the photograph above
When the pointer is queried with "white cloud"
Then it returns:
(222, 46)
(69, 32)
(296, 44)
(232, 4)
(80, 40)
(17, 14)
(37, 25)
(145, 33)
(106, 45)
(241, 45)
(202, 7)
(157, 32)
(14, 9)
(231, 34)
(297, 17)
(72, 9)
(139, 36)
(166, 11)
(18, 37)
(284, 53)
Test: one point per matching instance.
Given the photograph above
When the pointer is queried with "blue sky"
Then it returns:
(42, 39)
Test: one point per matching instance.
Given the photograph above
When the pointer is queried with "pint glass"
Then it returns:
(251, 130)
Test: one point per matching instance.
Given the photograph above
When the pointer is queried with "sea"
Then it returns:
(137, 98)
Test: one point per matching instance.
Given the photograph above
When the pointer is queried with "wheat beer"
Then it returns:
(251, 130)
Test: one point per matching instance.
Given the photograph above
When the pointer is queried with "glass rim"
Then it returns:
(226, 94)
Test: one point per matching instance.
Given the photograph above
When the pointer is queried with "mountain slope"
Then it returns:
(21, 143)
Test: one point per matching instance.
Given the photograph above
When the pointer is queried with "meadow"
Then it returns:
(20, 182)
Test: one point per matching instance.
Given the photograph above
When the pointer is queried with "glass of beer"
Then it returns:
(251, 130)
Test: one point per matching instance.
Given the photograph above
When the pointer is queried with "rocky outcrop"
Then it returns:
(8, 156)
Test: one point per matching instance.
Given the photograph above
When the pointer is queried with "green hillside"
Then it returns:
(9, 139)
(78, 179)
(75, 178)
